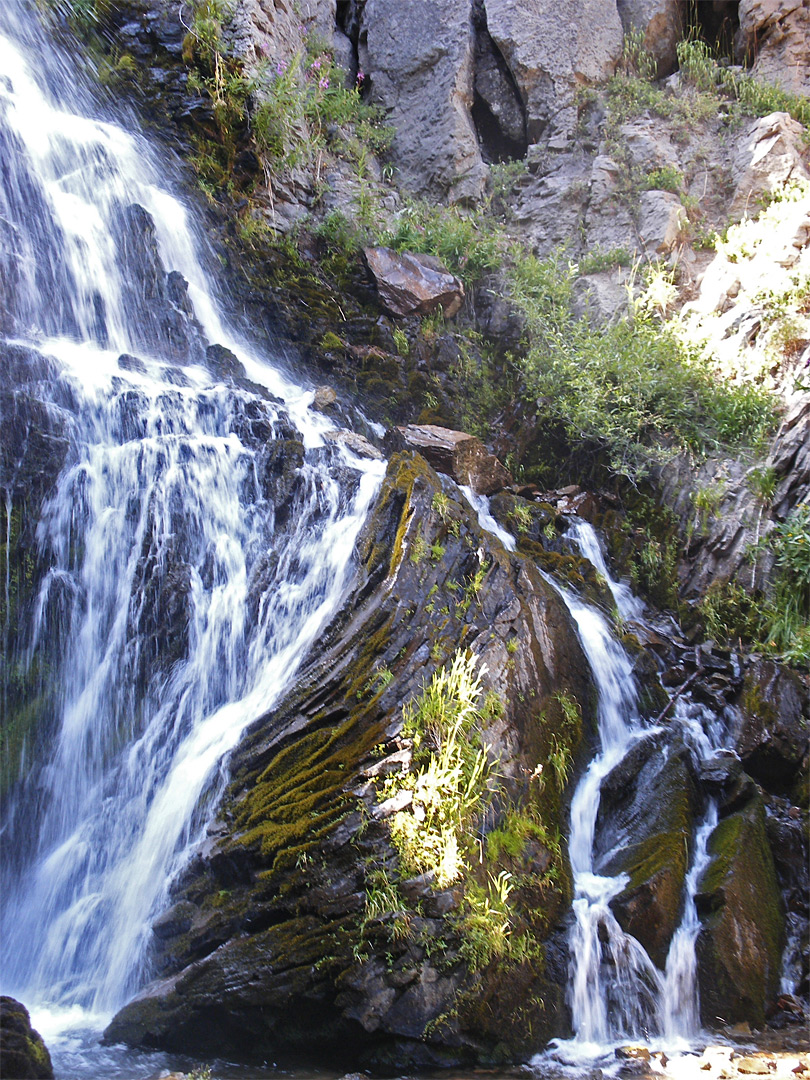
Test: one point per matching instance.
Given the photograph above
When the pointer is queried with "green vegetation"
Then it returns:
(751, 96)
(469, 243)
(779, 623)
(448, 777)
(709, 86)
(631, 391)
(788, 631)
(291, 114)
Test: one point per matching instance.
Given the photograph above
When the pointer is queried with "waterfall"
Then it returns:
(615, 991)
(194, 542)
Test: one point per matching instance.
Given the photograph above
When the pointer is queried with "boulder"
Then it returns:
(661, 219)
(418, 61)
(411, 284)
(284, 956)
(661, 23)
(462, 456)
(551, 47)
(325, 397)
(777, 34)
(769, 155)
(359, 444)
(23, 1054)
(739, 948)
(774, 735)
(643, 830)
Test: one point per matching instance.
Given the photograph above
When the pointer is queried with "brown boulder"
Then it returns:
(455, 453)
(413, 284)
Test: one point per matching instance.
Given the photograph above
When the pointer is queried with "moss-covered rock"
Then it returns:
(739, 948)
(300, 926)
(648, 804)
(23, 1054)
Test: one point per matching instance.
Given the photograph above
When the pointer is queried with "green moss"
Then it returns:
(301, 794)
(331, 341)
(741, 945)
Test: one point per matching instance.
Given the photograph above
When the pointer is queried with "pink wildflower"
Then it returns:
(324, 84)
(360, 77)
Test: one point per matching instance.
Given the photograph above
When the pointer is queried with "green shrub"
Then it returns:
(448, 776)
(788, 631)
(631, 390)
(468, 243)
(301, 102)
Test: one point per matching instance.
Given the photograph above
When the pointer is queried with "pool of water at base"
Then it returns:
(78, 1055)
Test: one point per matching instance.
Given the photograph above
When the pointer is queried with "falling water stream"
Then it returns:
(166, 524)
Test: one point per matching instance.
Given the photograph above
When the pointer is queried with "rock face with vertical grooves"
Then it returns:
(551, 47)
(419, 60)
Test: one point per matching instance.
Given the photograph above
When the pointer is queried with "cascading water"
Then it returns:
(194, 543)
(615, 991)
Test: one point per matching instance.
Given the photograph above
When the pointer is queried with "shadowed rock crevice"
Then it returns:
(497, 111)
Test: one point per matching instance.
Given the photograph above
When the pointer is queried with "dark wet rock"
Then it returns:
(410, 284)
(280, 474)
(462, 456)
(23, 1054)
(739, 947)
(156, 302)
(131, 363)
(644, 829)
(774, 737)
(279, 956)
(36, 427)
(224, 364)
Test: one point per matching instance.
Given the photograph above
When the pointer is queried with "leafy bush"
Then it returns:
(300, 102)
(631, 390)
(789, 629)
(468, 243)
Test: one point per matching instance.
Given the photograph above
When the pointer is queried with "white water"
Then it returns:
(164, 500)
(615, 992)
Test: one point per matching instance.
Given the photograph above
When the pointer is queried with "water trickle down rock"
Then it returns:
(276, 944)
